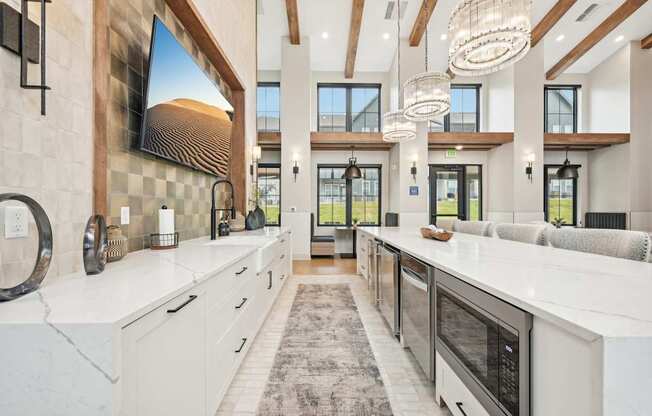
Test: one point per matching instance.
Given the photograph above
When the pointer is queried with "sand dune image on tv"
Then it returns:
(190, 132)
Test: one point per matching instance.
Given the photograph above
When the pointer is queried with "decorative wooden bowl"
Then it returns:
(440, 236)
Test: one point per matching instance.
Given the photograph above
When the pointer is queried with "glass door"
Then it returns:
(446, 192)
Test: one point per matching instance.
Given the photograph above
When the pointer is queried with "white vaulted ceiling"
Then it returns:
(376, 53)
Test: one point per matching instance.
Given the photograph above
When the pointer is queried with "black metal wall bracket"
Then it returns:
(24, 23)
(26, 39)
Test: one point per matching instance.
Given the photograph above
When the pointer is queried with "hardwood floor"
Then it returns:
(325, 266)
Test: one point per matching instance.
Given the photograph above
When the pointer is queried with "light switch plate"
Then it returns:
(124, 215)
(16, 222)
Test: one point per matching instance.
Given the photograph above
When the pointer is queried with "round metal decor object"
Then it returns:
(44, 249)
(95, 245)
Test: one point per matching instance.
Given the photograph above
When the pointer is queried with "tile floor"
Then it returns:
(409, 392)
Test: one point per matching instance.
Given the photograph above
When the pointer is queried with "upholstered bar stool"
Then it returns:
(525, 233)
(633, 245)
(483, 228)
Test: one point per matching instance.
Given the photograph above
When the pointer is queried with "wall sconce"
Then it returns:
(530, 162)
(256, 154)
(413, 171)
(295, 168)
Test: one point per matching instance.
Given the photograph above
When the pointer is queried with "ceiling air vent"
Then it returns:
(587, 12)
(390, 12)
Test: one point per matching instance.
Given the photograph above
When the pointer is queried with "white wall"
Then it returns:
(500, 101)
(394, 182)
(500, 189)
(609, 94)
(609, 179)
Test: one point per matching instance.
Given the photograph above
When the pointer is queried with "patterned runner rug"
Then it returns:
(324, 365)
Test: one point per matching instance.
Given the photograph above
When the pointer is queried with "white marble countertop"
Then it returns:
(133, 286)
(589, 295)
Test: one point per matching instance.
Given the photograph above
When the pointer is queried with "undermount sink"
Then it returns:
(267, 247)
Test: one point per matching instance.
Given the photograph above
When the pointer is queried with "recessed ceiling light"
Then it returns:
(619, 38)
(385, 36)
(459, 147)
(560, 38)
(324, 35)
(443, 36)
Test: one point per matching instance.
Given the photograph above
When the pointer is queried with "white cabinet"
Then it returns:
(363, 253)
(163, 363)
(181, 358)
(451, 389)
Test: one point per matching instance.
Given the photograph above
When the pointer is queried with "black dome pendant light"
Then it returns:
(567, 171)
(352, 171)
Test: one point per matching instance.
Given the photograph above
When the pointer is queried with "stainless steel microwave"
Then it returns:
(486, 341)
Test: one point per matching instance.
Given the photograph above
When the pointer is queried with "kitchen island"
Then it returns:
(591, 339)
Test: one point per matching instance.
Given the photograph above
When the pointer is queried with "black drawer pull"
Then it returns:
(244, 300)
(244, 269)
(244, 341)
(283, 240)
(269, 273)
(282, 256)
(459, 406)
(183, 305)
(282, 277)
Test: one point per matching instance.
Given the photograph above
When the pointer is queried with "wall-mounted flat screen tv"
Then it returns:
(186, 118)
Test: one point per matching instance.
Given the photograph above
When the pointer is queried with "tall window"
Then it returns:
(465, 110)
(560, 107)
(268, 106)
(269, 191)
(341, 201)
(348, 107)
(560, 196)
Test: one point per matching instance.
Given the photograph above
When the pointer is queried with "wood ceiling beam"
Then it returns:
(550, 19)
(646, 43)
(354, 36)
(293, 21)
(609, 24)
(585, 139)
(421, 23)
(484, 139)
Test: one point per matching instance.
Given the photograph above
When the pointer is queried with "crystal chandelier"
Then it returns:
(488, 35)
(397, 128)
(427, 95)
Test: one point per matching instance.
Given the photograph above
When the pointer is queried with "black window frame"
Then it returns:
(461, 171)
(348, 209)
(546, 192)
(280, 187)
(548, 87)
(270, 84)
(447, 117)
(349, 115)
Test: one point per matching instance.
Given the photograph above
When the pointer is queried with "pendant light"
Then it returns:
(397, 128)
(488, 35)
(352, 171)
(567, 171)
(427, 95)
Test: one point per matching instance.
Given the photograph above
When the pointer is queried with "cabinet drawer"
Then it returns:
(458, 398)
(221, 315)
(233, 277)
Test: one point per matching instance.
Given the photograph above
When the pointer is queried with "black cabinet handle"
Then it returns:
(282, 277)
(244, 269)
(459, 406)
(282, 256)
(283, 241)
(269, 273)
(244, 341)
(183, 305)
(244, 300)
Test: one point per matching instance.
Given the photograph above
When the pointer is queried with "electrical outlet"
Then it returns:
(124, 215)
(16, 222)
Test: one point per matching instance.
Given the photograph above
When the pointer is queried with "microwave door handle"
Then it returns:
(415, 282)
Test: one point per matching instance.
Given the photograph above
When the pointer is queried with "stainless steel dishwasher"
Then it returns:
(388, 286)
(416, 321)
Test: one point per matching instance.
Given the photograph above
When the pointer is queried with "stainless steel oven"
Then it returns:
(486, 341)
(416, 319)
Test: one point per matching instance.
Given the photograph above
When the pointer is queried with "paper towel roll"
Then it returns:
(166, 221)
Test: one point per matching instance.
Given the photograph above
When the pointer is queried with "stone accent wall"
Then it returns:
(49, 158)
(135, 179)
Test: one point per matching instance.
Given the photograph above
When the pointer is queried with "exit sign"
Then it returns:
(451, 154)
